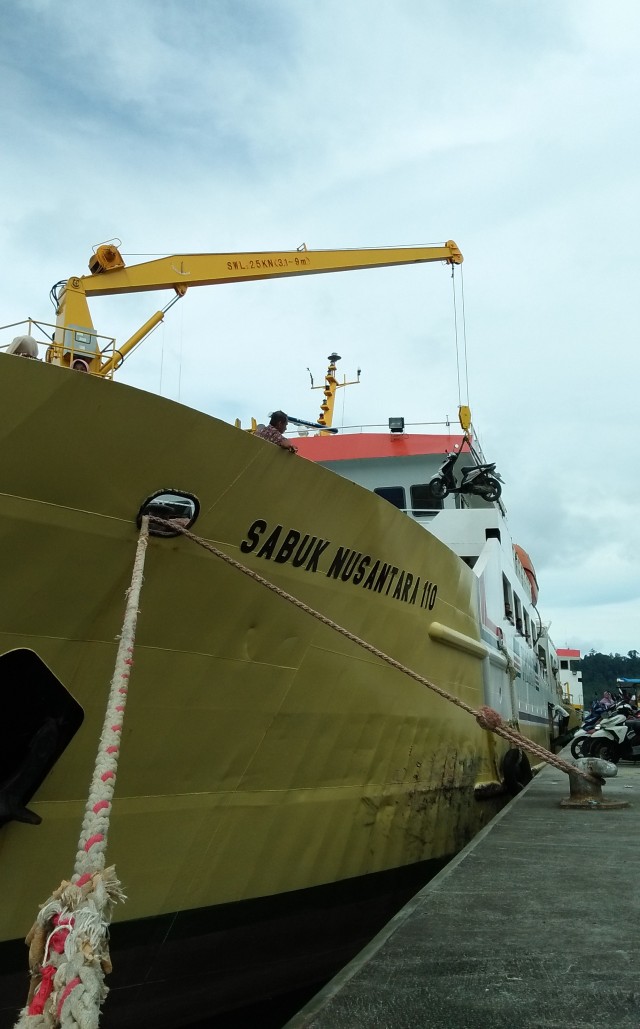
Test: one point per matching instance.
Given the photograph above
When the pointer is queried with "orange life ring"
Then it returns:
(529, 570)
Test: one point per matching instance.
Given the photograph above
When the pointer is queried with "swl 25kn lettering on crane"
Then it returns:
(305, 551)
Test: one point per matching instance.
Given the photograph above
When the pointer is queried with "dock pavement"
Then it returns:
(535, 924)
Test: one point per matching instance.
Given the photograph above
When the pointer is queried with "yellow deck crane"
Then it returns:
(76, 344)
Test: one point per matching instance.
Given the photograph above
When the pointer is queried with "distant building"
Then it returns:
(571, 676)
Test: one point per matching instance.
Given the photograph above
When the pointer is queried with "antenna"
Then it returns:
(330, 387)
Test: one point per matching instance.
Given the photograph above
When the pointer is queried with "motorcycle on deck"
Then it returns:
(480, 479)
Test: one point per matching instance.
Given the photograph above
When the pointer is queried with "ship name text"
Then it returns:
(305, 551)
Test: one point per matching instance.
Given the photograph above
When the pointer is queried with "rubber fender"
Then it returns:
(516, 770)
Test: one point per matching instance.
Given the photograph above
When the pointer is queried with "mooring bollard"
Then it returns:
(587, 794)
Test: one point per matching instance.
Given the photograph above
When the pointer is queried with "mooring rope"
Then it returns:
(485, 716)
(68, 944)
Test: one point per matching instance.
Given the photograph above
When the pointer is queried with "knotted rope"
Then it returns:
(485, 716)
(68, 944)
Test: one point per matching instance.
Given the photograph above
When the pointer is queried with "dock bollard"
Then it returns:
(588, 795)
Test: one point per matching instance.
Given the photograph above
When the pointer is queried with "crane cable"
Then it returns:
(464, 336)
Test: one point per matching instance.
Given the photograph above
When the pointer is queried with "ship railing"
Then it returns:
(79, 345)
(450, 429)
(477, 449)
(421, 513)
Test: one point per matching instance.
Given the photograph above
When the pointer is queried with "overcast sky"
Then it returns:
(509, 126)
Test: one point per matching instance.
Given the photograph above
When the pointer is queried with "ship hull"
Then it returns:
(263, 754)
(183, 968)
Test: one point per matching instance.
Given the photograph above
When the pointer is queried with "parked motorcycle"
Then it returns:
(480, 479)
(617, 737)
(582, 736)
(580, 742)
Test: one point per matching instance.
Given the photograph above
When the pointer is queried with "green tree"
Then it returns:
(600, 671)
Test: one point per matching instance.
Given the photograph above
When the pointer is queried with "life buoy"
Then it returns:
(529, 571)
(516, 770)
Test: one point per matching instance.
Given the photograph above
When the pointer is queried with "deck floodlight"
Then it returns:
(396, 425)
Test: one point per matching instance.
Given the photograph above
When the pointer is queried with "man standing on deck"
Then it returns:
(273, 432)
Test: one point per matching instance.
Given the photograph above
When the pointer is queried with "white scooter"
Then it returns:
(617, 737)
(582, 737)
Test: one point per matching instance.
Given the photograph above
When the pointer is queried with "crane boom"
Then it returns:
(110, 276)
(217, 269)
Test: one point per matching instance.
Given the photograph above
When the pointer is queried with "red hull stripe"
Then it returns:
(354, 446)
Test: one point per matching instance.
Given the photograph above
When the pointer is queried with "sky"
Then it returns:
(509, 126)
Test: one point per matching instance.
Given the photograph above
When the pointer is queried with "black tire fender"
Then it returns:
(516, 770)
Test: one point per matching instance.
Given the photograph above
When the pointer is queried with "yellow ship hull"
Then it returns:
(262, 753)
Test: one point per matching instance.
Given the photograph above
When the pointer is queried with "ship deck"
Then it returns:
(533, 924)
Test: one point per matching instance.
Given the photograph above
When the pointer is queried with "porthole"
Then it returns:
(173, 505)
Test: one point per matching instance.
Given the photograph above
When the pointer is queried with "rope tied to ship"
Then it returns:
(486, 717)
(68, 943)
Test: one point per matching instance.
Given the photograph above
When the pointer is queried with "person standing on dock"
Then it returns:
(563, 719)
(273, 432)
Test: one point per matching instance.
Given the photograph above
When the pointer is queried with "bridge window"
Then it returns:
(422, 500)
(508, 598)
(394, 494)
(527, 627)
(519, 622)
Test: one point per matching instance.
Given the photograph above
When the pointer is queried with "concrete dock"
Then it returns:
(534, 924)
